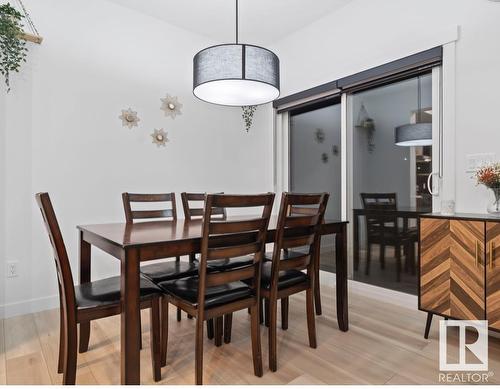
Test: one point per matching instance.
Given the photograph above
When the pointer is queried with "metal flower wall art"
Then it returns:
(129, 118)
(171, 106)
(160, 137)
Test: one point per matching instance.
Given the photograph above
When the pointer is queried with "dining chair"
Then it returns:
(296, 210)
(213, 294)
(193, 205)
(296, 243)
(382, 228)
(90, 301)
(164, 270)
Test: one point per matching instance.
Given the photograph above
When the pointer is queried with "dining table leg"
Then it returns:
(85, 266)
(355, 241)
(130, 317)
(341, 278)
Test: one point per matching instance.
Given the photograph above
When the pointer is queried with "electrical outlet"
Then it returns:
(475, 161)
(12, 269)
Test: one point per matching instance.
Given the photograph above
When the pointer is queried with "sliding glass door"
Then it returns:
(375, 148)
(391, 133)
(315, 161)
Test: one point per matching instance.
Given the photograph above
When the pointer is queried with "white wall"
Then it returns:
(366, 33)
(63, 134)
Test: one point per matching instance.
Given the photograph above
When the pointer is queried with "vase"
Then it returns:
(494, 207)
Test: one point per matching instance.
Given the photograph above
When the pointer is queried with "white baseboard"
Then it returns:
(326, 278)
(29, 306)
(391, 296)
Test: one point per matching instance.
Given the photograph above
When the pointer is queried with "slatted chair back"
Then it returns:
(64, 275)
(299, 221)
(377, 203)
(163, 213)
(196, 210)
(227, 239)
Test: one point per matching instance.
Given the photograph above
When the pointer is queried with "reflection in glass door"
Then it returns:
(315, 162)
(391, 160)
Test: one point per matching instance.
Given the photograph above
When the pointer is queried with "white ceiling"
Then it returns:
(261, 21)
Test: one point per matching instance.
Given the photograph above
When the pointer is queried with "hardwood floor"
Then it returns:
(384, 345)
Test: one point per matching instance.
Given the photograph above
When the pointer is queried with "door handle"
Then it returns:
(430, 184)
(477, 253)
(492, 255)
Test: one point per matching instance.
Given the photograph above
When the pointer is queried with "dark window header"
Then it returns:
(413, 64)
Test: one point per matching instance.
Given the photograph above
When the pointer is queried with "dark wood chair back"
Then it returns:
(299, 221)
(196, 211)
(227, 239)
(131, 215)
(376, 221)
(64, 275)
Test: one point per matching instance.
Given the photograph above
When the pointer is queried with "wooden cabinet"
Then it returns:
(493, 274)
(459, 275)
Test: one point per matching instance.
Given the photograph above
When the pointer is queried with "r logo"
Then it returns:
(479, 348)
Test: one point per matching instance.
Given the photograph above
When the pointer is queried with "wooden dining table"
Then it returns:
(145, 241)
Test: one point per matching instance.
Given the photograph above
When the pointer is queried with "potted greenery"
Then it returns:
(12, 45)
(247, 115)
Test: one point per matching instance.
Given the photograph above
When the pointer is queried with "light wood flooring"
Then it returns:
(384, 345)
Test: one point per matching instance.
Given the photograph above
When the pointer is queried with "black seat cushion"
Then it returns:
(171, 270)
(187, 289)
(285, 254)
(107, 292)
(228, 264)
(286, 278)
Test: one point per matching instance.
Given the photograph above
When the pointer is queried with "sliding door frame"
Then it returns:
(443, 102)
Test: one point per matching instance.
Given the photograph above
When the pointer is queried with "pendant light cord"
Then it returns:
(236, 21)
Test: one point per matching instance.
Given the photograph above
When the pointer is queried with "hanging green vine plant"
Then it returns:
(12, 45)
(247, 115)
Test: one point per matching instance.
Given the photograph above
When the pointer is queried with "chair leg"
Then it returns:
(155, 337)
(84, 336)
(164, 330)
(140, 333)
(179, 314)
(382, 256)
(412, 259)
(256, 347)
(62, 341)
(428, 325)
(284, 313)
(199, 351)
(272, 313)
(228, 324)
(266, 312)
(210, 328)
(261, 311)
(70, 354)
(218, 331)
(368, 258)
(189, 317)
(398, 263)
(317, 295)
(311, 319)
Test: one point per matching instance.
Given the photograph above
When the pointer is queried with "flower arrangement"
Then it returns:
(489, 175)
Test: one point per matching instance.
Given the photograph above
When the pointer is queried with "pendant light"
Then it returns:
(418, 134)
(236, 74)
